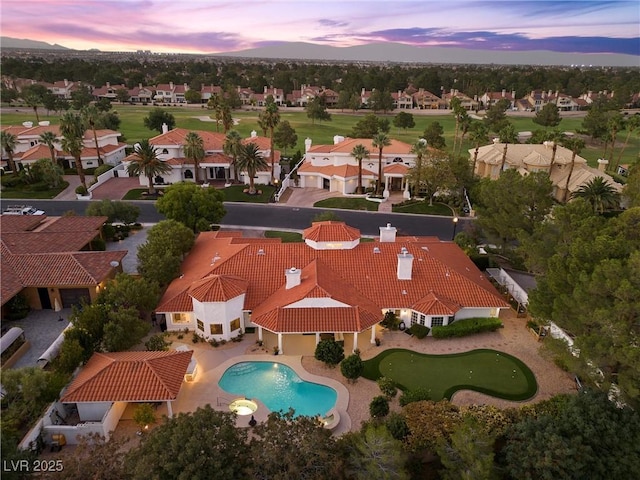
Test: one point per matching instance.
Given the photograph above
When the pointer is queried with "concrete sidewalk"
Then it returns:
(69, 193)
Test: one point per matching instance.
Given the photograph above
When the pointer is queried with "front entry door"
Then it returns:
(45, 301)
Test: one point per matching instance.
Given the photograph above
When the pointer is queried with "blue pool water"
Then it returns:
(278, 387)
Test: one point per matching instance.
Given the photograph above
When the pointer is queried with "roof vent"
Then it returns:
(215, 258)
(376, 249)
(404, 292)
(261, 251)
(404, 250)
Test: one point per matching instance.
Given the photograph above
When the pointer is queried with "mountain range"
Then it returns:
(397, 53)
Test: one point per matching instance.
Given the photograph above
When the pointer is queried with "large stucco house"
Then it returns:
(216, 165)
(29, 148)
(333, 285)
(334, 168)
(529, 158)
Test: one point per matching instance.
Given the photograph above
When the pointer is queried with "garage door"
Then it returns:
(74, 296)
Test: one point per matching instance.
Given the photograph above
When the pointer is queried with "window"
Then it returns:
(417, 318)
(200, 325)
(165, 151)
(235, 324)
(437, 321)
(215, 328)
(180, 318)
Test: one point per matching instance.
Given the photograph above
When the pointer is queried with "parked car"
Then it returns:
(22, 210)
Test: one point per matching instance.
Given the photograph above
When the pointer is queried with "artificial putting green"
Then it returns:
(487, 371)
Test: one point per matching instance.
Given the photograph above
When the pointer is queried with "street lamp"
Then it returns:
(455, 225)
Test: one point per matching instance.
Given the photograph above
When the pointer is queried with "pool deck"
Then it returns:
(354, 397)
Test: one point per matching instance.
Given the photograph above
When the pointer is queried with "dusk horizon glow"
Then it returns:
(199, 26)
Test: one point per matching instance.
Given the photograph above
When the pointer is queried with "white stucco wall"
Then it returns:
(93, 411)
(219, 313)
(332, 245)
(190, 324)
(316, 302)
(476, 312)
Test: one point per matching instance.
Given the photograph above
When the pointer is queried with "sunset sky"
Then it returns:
(205, 26)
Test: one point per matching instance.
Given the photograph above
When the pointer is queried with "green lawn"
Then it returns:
(348, 203)
(133, 129)
(287, 237)
(424, 208)
(235, 193)
(487, 371)
(24, 191)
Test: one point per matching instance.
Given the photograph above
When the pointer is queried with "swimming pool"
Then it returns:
(278, 387)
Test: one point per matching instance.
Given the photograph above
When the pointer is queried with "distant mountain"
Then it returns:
(8, 42)
(397, 52)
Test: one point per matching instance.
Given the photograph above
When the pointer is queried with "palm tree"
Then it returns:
(231, 147)
(479, 136)
(599, 193)
(214, 104)
(72, 129)
(614, 125)
(507, 135)
(250, 160)
(227, 118)
(420, 150)
(90, 115)
(9, 141)
(555, 137)
(145, 162)
(49, 138)
(379, 141)
(576, 145)
(359, 152)
(194, 150)
(632, 124)
(465, 125)
(271, 119)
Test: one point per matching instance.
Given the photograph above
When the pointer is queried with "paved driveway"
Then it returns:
(115, 188)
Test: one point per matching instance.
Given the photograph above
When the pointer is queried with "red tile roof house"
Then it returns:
(49, 261)
(216, 165)
(331, 284)
(29, 149)
(98, 396)
(332, 167)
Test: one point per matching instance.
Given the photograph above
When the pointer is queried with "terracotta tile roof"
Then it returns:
(342, 171)
(397, 168)
(331, 232)
(434, 305)
(218, 288)
(129, 377)
(10, 283)
(346, 146)
(263, 143)
(20, 223)
(360, 277)
(37, 152)
(38, 130)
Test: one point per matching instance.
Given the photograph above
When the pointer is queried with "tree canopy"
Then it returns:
(157, 117)
(192, 205)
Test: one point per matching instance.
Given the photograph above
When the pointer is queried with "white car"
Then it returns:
(22, 210)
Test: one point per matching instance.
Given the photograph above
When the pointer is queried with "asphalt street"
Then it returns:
(287, 217)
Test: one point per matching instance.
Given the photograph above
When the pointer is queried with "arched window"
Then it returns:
(397, 160)
(188, 174)
(165, 151)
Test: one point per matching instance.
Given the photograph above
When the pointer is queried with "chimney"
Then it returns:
(504, 93)
(388, 234)
(265, 89)
(362, 92)
(165, 128)
(186, 87)
(140, 86)
(170, 85)
(307, 144)
(108, 84)
(405, 264)
(293, 277)
(513, 94)
(254, 134)
(602, 164)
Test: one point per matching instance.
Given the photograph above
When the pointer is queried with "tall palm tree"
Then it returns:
(359, 152)
(379, 141)
(90, 115)
(227, 118)
(465, 125)
(456, 108)
(632, 124)
(72, 129)
(615, 123)
(145, 162)
(576, 145)
(420, 150)
(9, 141)
(555, 137)
(507, 135)
(232, 145)
(49, 138)
(479, 136)
(214, 104)
(194, 150)
(599, 193)
(250, 160)
(271, 119)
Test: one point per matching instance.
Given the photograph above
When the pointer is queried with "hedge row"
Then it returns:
(419, 331)
(469, 326)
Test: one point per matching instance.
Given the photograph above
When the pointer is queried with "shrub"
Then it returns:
(468, 326)
(195, 338)
(214, 343)
(17, 308)
(416, 395)
(157, 343)
(98, 245)
(397, 426)
(379, 407)
(143, 415)
(102, 169)
(352, 367)
(81, 190)
(390, 320)
(329, 351)
(387, 387)
(419, 331)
